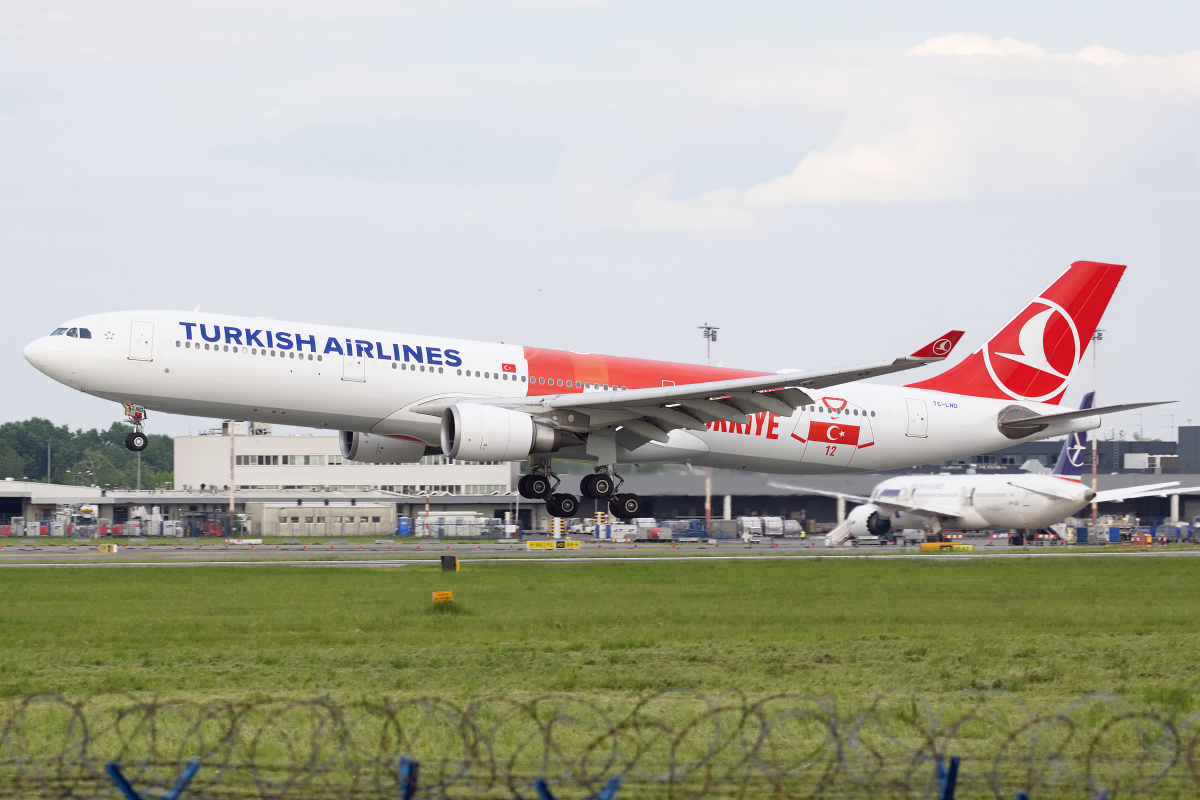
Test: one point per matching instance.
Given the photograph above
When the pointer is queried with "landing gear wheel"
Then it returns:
(537, 487)
(562, 505)
(533, 487)
(625, 506)
(597, 487)
(136, 441)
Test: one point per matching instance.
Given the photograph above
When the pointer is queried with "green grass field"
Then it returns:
(1049, 630)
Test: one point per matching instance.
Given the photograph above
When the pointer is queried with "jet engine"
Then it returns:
(371, 448)
(868, 520)
(475, 432)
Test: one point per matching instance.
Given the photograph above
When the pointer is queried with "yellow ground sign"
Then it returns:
(443, 597)
(946, 547)
(559, 544)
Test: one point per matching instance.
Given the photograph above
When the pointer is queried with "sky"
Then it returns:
(831, 184)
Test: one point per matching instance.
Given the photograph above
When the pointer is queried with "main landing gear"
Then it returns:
(136, 416)
(542, 483)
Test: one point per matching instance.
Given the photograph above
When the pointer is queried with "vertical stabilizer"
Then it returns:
(1070, 460)
(1033, 356)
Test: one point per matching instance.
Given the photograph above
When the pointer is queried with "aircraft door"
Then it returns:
(354, 368)
(918, 418)
(141, 341)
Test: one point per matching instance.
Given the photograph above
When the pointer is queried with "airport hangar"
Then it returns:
(304, 481)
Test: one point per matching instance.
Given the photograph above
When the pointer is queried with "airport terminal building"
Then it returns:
(301, 485)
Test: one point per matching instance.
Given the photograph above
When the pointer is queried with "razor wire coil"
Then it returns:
(671, 744)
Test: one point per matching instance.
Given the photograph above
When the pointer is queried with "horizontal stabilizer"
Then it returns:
(1149, 490)
(1016, 425)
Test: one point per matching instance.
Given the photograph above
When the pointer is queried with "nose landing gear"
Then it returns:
(135, 415)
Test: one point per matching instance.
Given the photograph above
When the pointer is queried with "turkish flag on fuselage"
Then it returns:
(509, 367)
(832, 432)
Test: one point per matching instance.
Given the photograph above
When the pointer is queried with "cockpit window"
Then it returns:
(84, 333)
(73, 332)
(59, 331)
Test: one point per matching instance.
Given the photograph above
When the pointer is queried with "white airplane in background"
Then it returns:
(395, 397)
(981, 502)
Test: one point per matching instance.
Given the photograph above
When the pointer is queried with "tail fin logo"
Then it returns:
(1076, 450)
(1037, 352)
(942, 347)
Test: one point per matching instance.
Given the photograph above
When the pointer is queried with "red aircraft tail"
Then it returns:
(1033, 356)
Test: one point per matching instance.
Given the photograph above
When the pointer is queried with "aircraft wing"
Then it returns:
(1149, 490)
(854, 498)
(888, 505)
(637, 416)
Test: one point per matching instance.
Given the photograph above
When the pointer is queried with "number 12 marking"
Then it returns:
(830, 449)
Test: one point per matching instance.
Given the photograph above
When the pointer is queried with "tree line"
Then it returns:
(89, 458)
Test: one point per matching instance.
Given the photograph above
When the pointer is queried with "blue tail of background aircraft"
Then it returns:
(1070, 460)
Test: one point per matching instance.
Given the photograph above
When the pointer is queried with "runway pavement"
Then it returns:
(159, 554)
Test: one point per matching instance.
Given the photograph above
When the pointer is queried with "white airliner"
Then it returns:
(982, 502)
(396, 396)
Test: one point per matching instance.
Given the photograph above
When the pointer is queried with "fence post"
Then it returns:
(609, 792)
(408, 778)
(946, 778)
(181, 783)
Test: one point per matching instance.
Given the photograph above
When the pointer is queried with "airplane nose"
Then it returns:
(35, 353)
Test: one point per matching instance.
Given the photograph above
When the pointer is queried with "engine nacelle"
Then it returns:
(868, 520)
(371, 448)
(474, 432)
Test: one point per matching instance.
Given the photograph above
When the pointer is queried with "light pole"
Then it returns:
(710, 336)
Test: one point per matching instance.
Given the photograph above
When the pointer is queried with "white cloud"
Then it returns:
(359, 81)
(647, 205)
(1019, 122)
(973, 44)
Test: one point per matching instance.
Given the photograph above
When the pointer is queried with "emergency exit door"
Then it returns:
(141, 341)
(918, 418)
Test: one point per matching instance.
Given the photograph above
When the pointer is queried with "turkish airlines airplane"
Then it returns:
(982, 502)
(396, 397)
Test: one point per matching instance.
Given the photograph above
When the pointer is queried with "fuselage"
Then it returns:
(338, 378)
(983, 502)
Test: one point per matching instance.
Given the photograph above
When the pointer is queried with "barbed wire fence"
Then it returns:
(673, 744)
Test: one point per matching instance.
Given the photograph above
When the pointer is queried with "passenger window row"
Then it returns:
(594, 387)
(404, 365)
(854, 412)
(253, 351)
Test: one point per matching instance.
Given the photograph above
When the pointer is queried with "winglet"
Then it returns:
(939, 348)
